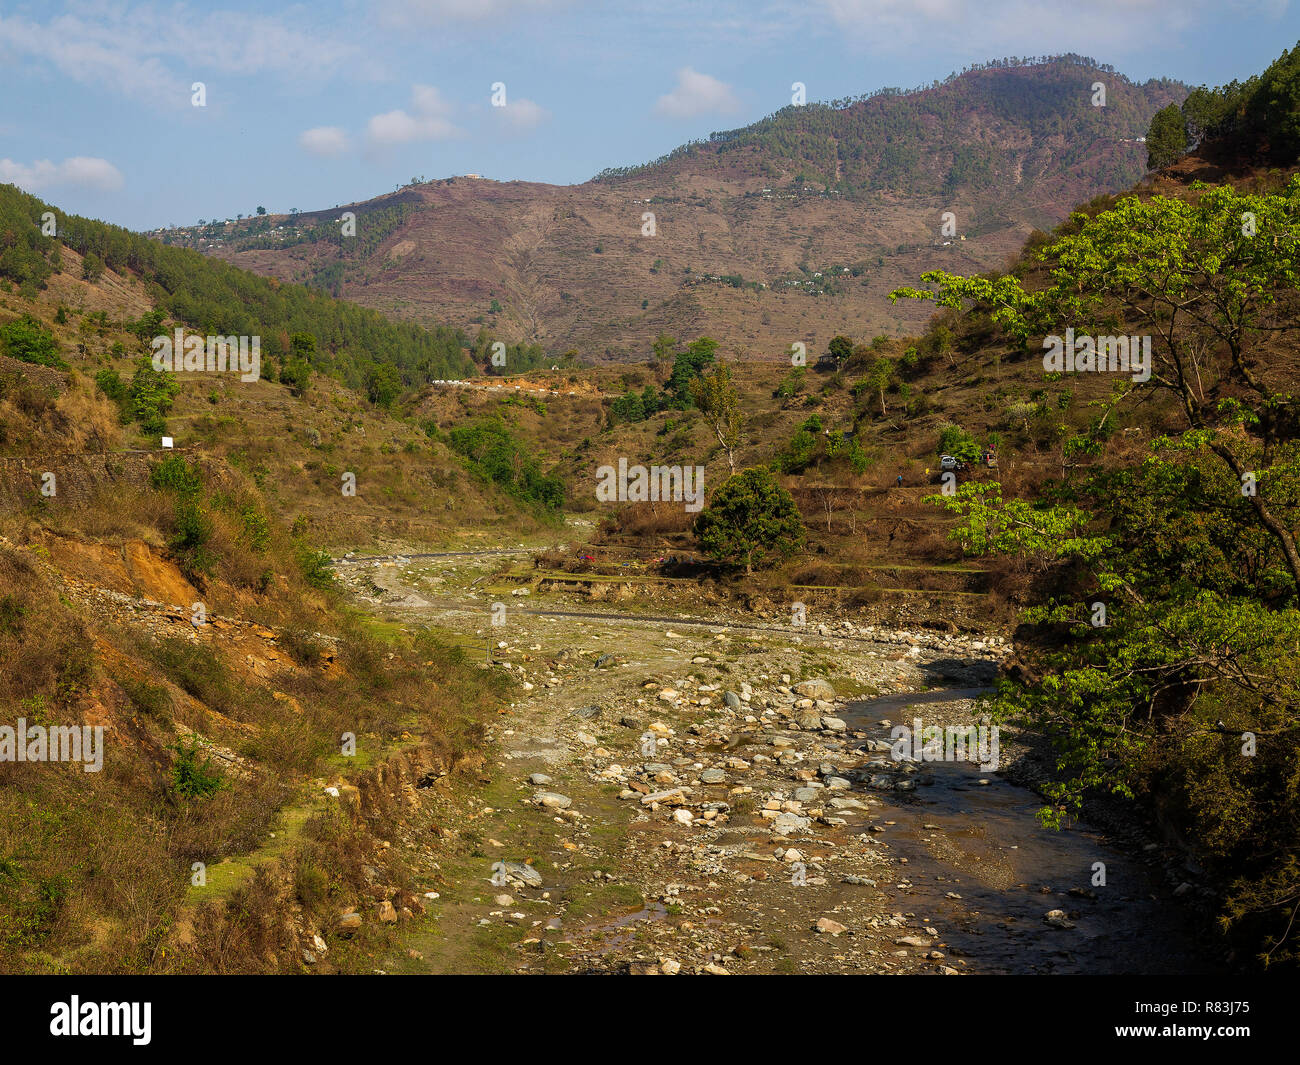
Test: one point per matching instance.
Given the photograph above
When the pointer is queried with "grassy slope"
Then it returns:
(95, 606)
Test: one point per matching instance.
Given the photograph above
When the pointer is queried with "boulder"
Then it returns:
(814, 689)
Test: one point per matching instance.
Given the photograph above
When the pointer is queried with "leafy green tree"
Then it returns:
(665, 348)
(383, 384)
(802, 448)
(92, 267)
(303, 346)
(957, 442)
(1167, 137)
(688, 365)
(791, 383)
(1202, 111)
(110, 383)
(840, 348)
(296, 373)
(628, 408)
(150, 396)
(878, 378)
(1184, 684)
(750, 520)
(148, 325)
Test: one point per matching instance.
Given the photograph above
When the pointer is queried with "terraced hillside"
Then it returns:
(794, 229)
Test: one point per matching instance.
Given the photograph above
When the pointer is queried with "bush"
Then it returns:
(296, 373)
(150, 396)
(791, 383)
(193, 778)
(189, 541)
(152, 700)
(315, 567)
(110, 383)
(256, 528)
(26, 340)
(955, 441)
(174, 475)
(495, 454)
(803, 448)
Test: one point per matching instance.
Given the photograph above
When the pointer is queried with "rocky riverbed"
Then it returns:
(712, 797)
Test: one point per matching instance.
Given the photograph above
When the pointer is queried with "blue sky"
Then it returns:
(312, 105)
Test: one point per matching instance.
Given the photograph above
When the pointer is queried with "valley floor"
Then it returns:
(711, 795)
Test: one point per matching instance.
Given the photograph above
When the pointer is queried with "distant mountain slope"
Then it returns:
(793, 229)
(976, 132)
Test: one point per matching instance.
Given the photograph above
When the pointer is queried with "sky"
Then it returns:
(313, 105)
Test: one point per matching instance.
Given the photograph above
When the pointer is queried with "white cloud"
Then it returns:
(151, 53)
(325, 141)
(697, 94)
(428, 120)
(1012, 27)
(522, 114)
(82, 171)
(439, 12)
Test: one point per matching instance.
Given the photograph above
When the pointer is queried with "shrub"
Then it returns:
(955, 441)
(150, 396)
(152, 700)
(194, 777)
(173, 474)
(26, 340)
(315, 567)
(110, 383)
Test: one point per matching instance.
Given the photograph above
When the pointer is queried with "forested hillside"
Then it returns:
(215, 298)
(1252, 120)
(1025, 114)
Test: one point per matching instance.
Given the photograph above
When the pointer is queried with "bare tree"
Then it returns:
(719, 402)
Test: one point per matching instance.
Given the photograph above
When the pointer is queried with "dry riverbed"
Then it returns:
(690, 797)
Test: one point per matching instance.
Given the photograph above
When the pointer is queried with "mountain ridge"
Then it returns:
(759, 236)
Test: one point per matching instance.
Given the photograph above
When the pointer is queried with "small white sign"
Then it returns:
(167, 441)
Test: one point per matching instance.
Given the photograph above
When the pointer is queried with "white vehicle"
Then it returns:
(947, 462)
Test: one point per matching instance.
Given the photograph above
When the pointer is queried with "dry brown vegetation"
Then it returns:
(211, 735)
